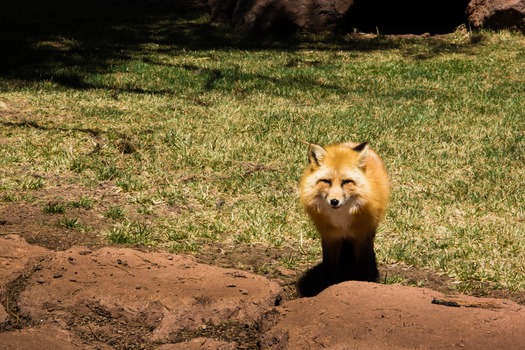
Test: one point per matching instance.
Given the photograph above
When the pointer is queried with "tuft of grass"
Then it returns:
(115, 213)
(55, 208)
(107, 171)
(9, 197)
(290, 261)
(72, 224)
(185, 247)
(131, 233)
(32, 183)
(83, 203)
(395, 279)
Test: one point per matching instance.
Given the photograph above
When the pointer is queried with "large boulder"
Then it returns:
(256, 16)
(402, 17)
(497, 14)
(406, 16)
(361, 315)
(46, 336)
(17, 259)
(162, 293)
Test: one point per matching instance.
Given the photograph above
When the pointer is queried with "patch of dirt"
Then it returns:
(121, 298)
(70, 288)
(94, 324)
(258, 259)
(29, 219)
(361, 315)
(126, 299)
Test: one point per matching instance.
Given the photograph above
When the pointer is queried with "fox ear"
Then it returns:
(316, 154)
(362, 148)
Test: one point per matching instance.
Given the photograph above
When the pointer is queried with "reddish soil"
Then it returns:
(63, 289)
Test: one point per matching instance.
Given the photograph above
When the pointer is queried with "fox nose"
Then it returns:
(334, 202)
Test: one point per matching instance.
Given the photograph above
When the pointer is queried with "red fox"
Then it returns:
(345, 191)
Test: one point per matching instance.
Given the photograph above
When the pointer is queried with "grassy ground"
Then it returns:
(202, 135)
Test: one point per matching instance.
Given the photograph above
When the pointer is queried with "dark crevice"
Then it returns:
(246, 336)
(35, 125)
(406, 17)
(10, 299)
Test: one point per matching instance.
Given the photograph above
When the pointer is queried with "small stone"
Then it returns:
(219, 203)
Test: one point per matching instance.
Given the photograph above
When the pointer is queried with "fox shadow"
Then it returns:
(348, 268)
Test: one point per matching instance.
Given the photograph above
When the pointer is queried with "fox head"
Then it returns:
(336, 176)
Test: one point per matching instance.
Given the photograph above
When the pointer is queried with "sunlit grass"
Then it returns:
(115, 213)
(71, 223)
(55, 208)
(131, 233)
(83, 203)
(207, 144)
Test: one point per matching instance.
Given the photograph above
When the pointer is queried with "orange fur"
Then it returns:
(354, 176)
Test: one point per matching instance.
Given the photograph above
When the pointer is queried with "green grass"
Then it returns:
(54, 208)
(131, 233)
(72, 224)
(204, 138)
(115, 213)
(82, 203)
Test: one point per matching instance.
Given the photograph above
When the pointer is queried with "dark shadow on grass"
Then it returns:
(53, 40)
(35, 125)
(63, 41)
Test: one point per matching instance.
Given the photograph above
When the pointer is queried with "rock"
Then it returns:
(497, 14)
(200, 344)
(257, 16)
(221, 9)
(41, 337)
(406, 17)
(360, 315)
(3, 315)
(125, 298)
(17, 256)
(387, 17)
(162, 295)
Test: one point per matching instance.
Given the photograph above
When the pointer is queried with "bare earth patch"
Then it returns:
(361, 315)
(110, 297)
(124, 298)
(62, 288)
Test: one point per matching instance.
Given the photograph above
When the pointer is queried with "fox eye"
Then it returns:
(326, 181)
(348, 181)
